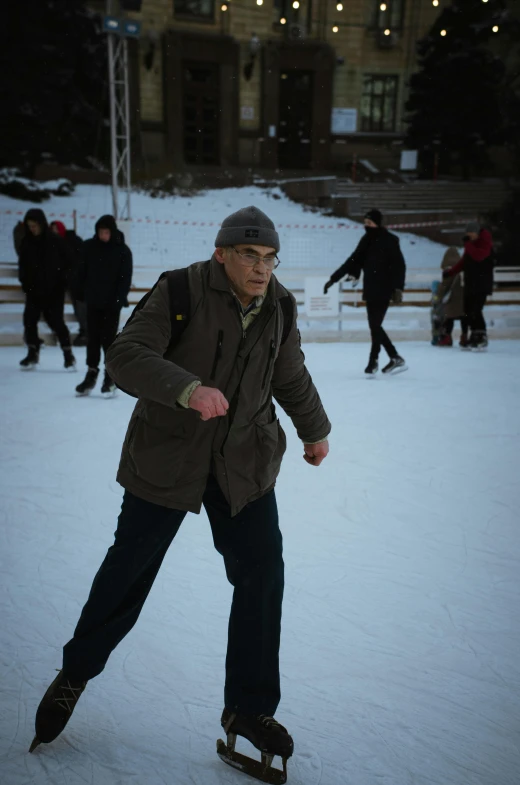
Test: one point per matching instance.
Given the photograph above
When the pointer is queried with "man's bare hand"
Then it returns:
(315, 453)
(209, 402)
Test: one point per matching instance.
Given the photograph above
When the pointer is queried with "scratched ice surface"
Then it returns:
(400, 657)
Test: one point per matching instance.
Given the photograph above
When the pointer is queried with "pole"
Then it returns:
(435, 166)
(354, 167)
(127, 130)
(113, 122)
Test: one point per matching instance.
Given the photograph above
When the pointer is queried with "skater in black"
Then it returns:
(43, 266)
(379, 256)
(103, 284)
(188, 445)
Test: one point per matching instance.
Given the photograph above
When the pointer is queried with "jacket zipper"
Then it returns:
(269, 360)
(218, 354)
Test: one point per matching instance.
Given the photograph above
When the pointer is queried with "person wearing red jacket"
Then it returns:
(477, 266)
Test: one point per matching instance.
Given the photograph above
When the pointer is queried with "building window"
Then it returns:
(389, 14)
(379, 102)
(195, 9)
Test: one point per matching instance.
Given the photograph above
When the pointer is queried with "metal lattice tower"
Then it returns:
(119, 125)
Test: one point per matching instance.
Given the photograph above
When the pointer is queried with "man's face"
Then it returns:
(104, 235)
(248, 280)
(472, 236)
(54, 229)
(34, 228)
(371, 224)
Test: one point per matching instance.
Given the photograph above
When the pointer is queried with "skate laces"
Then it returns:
(69, 696)
(270, 723)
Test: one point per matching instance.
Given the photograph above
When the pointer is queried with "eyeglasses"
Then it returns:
(251, 259)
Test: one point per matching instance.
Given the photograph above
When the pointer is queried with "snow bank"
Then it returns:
(178, 230)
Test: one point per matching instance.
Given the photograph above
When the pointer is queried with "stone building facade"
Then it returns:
(281, 84)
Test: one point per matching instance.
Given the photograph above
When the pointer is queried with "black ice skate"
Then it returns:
(372, 367)
(31, 361)
(69, 359)
(396, 365)
(478, 342)
(108, 390)
(267, 735)
(56, 708)
(88, 383)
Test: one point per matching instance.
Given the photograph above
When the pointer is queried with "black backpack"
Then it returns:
(179, 295)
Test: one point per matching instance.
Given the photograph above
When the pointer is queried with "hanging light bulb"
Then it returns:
(495, 29)
(435, 3)
(335, 29)
(223, 7)
(259, 2)
(443, 33)
(388, 31)
(382, 7)
(283, 21)
(339, 7)
(296, 4)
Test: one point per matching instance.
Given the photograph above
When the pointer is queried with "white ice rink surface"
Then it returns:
(401, 631)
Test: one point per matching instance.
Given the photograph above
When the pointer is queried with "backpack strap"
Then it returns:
(288, 316)
(179, 294)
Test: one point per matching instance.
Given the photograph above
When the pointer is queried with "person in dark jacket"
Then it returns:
(43, 266)
(103, 285)
(477, 266)
(379, 256)
(205, 433)
(80, 311)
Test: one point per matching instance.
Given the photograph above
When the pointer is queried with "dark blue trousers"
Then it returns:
(251, 545)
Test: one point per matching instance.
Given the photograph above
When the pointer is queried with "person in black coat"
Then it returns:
(104, 281)
(80, 311)
(43, 265)
(379, 256)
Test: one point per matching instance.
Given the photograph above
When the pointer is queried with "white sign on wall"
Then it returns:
(408, 160)
(318, 304)
(344, 121)
(247, 112)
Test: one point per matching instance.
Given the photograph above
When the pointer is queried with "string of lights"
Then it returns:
(336, 26)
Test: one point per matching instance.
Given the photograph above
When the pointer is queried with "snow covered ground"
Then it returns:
(401, 634)
(176, 231)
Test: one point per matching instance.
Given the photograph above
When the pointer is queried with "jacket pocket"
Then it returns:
(271, 444)
(157, 455)
(218, 354)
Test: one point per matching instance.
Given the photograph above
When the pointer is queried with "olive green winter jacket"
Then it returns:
(169, 451)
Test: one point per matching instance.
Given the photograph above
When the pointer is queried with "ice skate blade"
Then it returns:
(83, 394)
(35, 743)
(26, 368)
(400, 369)
(107, 395)
(262, 771)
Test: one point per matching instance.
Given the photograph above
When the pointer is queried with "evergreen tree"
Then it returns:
(463, 99)
(52, 83)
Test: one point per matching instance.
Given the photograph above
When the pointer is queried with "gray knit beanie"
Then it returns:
(249, 225)
(473, 226)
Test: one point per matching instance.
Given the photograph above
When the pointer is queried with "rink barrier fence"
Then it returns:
(410, 320)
